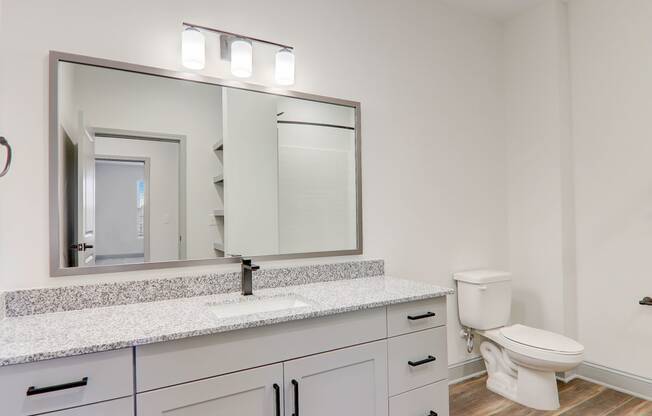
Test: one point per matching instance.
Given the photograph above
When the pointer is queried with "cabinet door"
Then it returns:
(254, 392)
(121, 407)
(347, 382)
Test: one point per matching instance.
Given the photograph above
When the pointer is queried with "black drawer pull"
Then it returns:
(646, 301)
(432, 413)
(277, 398)
(424, 316)
(33, 390)
(422, 362)
(296, 398)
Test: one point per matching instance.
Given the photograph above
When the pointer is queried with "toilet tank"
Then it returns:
(484, 298)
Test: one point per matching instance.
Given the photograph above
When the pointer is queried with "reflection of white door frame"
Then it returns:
(85, 249)
(160, 137)
(146, 161)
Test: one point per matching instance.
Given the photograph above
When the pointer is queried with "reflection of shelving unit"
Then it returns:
(218, 180)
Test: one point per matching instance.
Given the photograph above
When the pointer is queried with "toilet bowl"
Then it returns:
(521, 361)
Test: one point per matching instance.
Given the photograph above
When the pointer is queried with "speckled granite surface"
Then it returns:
(69, 298)
(39, 337)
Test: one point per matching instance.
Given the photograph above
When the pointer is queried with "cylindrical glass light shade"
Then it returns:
(193, 49)
(241, 58)
(285, 67)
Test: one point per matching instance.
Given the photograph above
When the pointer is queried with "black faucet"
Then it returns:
(247, 281)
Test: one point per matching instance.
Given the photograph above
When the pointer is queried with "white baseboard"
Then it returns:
(465, 370)
(615, 379)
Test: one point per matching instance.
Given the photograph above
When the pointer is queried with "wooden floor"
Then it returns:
(577, 398)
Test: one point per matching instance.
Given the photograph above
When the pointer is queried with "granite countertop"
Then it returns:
(33, 338)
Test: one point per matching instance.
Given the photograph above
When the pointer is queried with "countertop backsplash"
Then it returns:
(67, 298)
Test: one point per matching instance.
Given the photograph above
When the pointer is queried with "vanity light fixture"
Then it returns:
(241, 58)
(193, 48)
(284, 70)
(239, 49)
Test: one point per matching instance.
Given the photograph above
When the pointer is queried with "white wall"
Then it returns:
(434, 181)
(535, 76)
(579, 219)
(612, 126)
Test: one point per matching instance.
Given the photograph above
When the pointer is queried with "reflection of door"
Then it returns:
(122, 215)
(86, 228)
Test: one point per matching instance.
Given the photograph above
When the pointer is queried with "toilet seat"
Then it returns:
(542, 340)
(521, 348)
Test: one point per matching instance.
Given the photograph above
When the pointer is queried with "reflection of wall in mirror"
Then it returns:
(132, 102)
(289, 187)
(317, 177)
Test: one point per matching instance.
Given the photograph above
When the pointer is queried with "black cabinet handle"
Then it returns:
(33, 390)
(424, 316)
(277, 398)
(422, 362)
(646, 301)
(296, 397)
(432, 413)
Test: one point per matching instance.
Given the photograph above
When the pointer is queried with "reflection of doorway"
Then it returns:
(166, 186)
(122, 218)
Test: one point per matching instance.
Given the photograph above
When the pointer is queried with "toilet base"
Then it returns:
(532, 388)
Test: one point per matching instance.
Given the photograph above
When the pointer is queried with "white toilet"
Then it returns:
(521, 361)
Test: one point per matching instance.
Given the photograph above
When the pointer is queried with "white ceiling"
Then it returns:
(494, 9)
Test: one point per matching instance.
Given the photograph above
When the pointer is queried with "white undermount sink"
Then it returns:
(249, 306)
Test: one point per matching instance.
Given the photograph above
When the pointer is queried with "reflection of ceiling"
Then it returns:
(495, 9)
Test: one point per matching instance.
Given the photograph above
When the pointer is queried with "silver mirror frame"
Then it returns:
(56, 57)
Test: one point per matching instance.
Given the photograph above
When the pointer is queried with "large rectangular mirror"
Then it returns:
(152, 168)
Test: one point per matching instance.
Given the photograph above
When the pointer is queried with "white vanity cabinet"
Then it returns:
(347, 381)
(384, 361)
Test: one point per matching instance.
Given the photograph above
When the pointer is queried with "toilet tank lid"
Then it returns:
(480, 277)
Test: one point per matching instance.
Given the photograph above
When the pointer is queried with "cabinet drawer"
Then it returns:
(108, 375)
(422, 401)
(119, 407)
(256, 392)
(417, 359)
(416, 316)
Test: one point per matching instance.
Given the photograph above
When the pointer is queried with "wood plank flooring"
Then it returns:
(577, 398)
